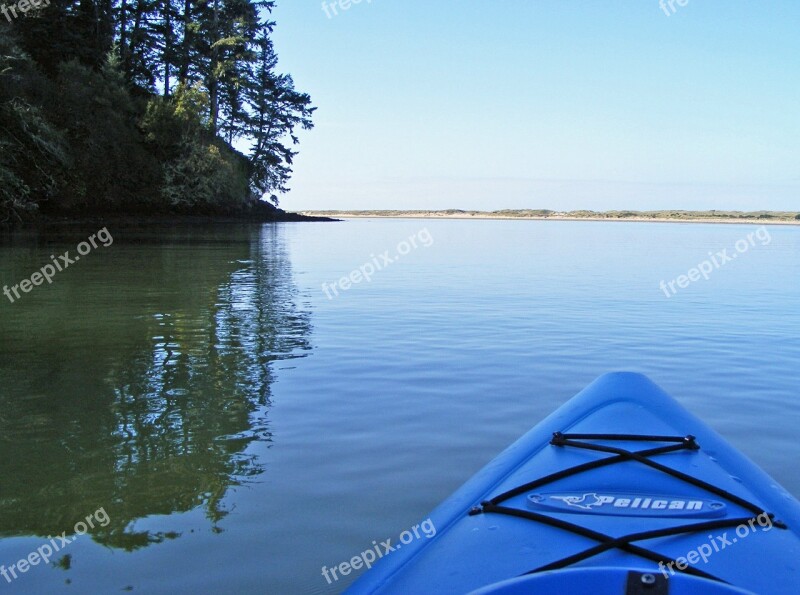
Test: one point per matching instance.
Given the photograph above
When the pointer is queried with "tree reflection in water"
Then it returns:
(138, 385)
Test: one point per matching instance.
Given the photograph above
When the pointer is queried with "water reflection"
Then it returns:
(137, 381)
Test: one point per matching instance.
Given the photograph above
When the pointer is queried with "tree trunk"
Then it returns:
(185, 58)
(137, 25)
(213, 84)
(168, 50)
(123, 31)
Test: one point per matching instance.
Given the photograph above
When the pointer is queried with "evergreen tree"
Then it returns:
(277, 110)
(69, 103)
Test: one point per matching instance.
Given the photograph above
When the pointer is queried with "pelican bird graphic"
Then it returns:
(586, 502)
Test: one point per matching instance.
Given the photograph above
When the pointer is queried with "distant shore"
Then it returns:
(758, 217)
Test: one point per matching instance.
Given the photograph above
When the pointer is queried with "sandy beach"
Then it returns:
(771, 219)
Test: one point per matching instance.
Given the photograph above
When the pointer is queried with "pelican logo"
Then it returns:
(586, 502)
(658, 505)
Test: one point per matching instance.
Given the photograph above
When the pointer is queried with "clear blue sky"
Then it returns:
(560, 104)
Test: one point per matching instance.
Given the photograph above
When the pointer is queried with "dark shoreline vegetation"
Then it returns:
(139, 109)
(671, 215)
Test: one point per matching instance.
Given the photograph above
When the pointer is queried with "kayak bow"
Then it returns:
(621, 490)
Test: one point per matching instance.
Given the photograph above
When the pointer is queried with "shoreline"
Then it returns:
(500, 217)
(46, 222)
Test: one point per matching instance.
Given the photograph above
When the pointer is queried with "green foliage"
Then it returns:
(31, 155)
(113, 171)
(277, 109)
(200, 173)
(167, 121)
(204, 178)
(191, 104)
(133, 106)
(32, 150)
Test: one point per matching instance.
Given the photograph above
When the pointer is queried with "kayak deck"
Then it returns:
(655, 491)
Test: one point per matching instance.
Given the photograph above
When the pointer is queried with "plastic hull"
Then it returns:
(472, 552)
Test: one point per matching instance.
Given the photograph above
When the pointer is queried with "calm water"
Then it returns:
(241, 430)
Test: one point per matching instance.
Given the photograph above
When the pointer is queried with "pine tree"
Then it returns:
(277, 110)
(221, 50)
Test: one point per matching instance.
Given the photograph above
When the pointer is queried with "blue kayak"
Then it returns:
(619, 491)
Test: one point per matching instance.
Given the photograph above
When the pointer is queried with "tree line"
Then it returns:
(136, 106)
